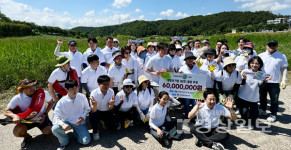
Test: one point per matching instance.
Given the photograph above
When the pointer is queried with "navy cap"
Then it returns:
(272, 43)
(72, 42)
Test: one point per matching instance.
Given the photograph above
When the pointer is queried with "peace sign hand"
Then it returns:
(93, 102)
(112, 101)
(121, 99)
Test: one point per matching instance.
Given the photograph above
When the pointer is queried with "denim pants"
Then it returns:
(274, 90)
(80, 132)
(168, 128)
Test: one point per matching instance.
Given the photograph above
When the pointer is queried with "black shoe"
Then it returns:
(198, 143)
(26, 141)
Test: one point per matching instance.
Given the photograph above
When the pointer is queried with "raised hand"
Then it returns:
(199, 63)
(199, 103)
(229, 103)
(112, 101)
(93, 102)
(121, 99)
(60, 42)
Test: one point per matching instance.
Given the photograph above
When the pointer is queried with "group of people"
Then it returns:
(121, 88)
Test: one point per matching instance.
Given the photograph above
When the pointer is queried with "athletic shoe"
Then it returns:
(96, 136)
(61, 148)
(237, 112)
(26, 141)
(262, 112)
(198, 143)
(217, 146)
(271, 118)
(166, 142)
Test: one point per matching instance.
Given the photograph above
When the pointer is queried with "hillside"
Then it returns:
(219, 23)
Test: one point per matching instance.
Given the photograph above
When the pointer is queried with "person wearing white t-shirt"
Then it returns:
(160, 128)
(133, 48)
(117, 72)
(116, 44)
(76, 56)
(158, 64)
(222, 55)
(102, 102)
(130, 63)
(175, 59)
(151, 51)
(242, 60)
(248, 93)
(140, 61)
(208, 115)
(197, 45)
(126, 104)
(241, 43)
(91, 74)
(275, 64)
(93, 49)
(107, 51)
(22, 102)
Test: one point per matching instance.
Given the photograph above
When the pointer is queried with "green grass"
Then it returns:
(33, 56)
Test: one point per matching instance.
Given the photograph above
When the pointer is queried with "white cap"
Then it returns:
(114, 40)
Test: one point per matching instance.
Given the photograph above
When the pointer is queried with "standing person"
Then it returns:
(93, 49)
(108, 50)
(117, 72)
(160, 128)
(26, 105)
(206, 43)
(140, 61)
(151, 51)
(218, 46)
(91, 74)
(126, 104)
(175, 59)
(186, 48)
(70, 113)
(133, 48)
(242, 60)
(158, 64)
(129, 62)
(275, 64)
(145, 97)
(206, 129)
(191, 44)
(197, 45)
(116, 44)
(222, 55)
(102, 103)
(57, 79)
(76, 56)
(248, 93)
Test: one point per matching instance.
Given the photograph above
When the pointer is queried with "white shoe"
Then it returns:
(61, 148)
(271, 118)
(131, 123)
(168, 118)
(217, 146)
(96, 136)
(261, 112)
(237, 112)
(251, 127)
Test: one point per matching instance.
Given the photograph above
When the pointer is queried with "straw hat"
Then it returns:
(228, 61)
(150, 44)
(25, 84)
(62, 60)
(141, 79)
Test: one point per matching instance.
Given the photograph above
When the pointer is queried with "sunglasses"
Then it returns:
(272, 45)
(126, 53)
(231, 65)
(115, 42)
(128, 86)
(73, 45)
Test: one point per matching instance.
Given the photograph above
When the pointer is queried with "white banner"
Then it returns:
(182, 85)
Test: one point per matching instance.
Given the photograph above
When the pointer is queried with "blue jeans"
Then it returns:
(80, 132)
(187, 106)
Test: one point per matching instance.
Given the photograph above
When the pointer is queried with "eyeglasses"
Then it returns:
(128, 86)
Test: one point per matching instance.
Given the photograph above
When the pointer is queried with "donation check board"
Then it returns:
(183, 85)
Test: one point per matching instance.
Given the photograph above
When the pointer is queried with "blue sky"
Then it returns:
(72, 13)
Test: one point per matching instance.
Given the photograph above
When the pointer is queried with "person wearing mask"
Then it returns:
(222, 55)
(242, 60)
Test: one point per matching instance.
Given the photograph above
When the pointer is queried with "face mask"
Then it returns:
(248, 51)
(143, 55)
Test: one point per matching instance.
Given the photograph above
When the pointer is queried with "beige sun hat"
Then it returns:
(142, 78)
(62, 60)
(228, 61)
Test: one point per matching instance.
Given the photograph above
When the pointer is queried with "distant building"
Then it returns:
(277, 21)
(233, 31)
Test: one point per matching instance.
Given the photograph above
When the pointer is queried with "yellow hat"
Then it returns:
(141, 79)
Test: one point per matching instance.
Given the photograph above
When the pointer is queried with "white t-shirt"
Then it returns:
(210, 78)
(209, 118)
(176, 62)
(156, 63)
(90, 76)
(96, 52)
(107, 52)
(102, 100)
(250, 90)
(127, 102)
(117, 74)
(273, 65)
(23, 102)
(242, 62)
(58, 75)
(145, 99)
(195, 70)
(158, 114)
(195, 53)
(228, 80)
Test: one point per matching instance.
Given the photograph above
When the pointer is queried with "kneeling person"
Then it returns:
(29, 104)
(208, 114)
(70, 113)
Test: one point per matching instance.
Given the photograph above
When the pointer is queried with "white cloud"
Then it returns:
(181, 15)
(168, 13)
(267, 5)
(121, 3)
(48, 17)
(141, 17)
(158, 19)
(90, 13)
(137, 10)
(104, 11)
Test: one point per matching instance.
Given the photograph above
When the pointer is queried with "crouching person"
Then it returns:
(208, 113)
(29, 105)
(161, 129)
(102, 103)
(70, 113)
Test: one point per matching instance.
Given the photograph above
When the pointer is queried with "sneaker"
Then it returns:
(96, 136)
(61, 148)
(262, 112)
(168, 118)
(198, 143)
(103, 124)
(251, 127)
(126, 123)
(271, 118)
(131, 123)
(217, 146)
(166, 142)
(26, 141)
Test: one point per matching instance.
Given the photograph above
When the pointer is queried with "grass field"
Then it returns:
(33, 56)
